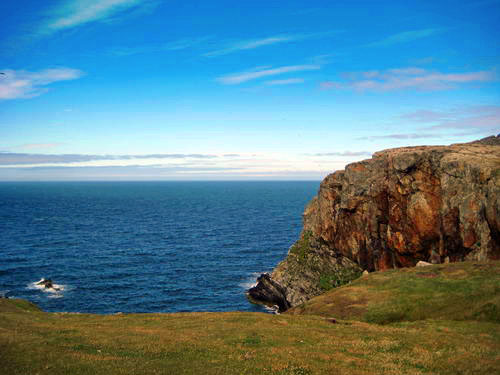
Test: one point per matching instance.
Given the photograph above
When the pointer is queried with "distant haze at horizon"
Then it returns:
(174, 90)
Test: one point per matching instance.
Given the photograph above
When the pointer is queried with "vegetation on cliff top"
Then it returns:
(455, 291)
(459, 333)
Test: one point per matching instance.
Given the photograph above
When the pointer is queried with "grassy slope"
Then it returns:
(34, 342)
(456, 291)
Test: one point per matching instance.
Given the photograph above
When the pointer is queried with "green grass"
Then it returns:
(342, 277)
(441, 341)
(302, 247)
(456, 291)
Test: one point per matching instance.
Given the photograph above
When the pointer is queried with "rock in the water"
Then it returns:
(366, 273)
(427, 203)
(48, 284)
(269, 292)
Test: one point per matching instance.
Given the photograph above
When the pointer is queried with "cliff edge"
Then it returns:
(436, 204)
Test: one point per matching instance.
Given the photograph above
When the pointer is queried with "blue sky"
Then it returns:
(190, 90)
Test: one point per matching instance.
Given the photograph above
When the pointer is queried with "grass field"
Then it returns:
(455, 291)
(453, 333)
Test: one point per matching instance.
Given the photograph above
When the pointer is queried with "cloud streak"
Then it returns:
(225, 47)
(9, 158)
(459, 122)
(75, 13)
(407, 78)
(34, 146)
(17, 84)
(345, 153)
(405, 37)
(250, 44)
(485, 118)
(279, 82)
(237, 78)
(176, 45)
(401, 136)
(157, 173)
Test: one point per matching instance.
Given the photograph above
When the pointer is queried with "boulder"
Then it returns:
(269, 292)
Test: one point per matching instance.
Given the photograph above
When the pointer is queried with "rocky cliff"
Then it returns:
(432, 203)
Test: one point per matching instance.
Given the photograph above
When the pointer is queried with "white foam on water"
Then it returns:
(54, 292)
(56, 295)
(251, 281)
(34, 285)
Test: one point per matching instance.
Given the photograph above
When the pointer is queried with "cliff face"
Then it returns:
(432, 203)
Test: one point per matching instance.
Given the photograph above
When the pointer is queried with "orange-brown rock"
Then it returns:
(428, 203)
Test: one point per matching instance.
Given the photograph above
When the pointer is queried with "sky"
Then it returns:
(238, 90)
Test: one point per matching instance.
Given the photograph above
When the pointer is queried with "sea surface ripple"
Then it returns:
(145, 246)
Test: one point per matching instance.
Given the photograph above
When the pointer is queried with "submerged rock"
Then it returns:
(428, 203)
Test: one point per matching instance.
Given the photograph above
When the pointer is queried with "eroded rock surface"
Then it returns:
(428, 203)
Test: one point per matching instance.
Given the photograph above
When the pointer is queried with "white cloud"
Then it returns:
(404, 37)
(19, 166)
(407, 78)
(176, 45)
(24, 84)
(401, 136)
(248, 44)
(237, 78)
(289, 81)
(35, 146)
(74, 13)
(11, 158)
(480, 118)
(345, 153)
(484, 119)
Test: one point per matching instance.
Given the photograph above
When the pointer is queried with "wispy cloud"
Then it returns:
(423, 115)
(424, 60)
(10, 158)
(289, 81)
(155, 173)
(248, 44)
(479, 120)
(176, 45)
(219, 48)
(485, 118)
(229, 166)
(404, 37)
(345, 153)
(407, 78)
(401, 136)
(24, 84)
(75, 13)
(237, 78)
(37, 146)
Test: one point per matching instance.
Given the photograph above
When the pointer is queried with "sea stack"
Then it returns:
(434, 204)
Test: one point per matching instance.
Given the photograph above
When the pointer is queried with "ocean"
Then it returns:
(145, 246)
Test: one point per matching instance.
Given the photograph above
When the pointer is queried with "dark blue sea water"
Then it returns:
(145, 246)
